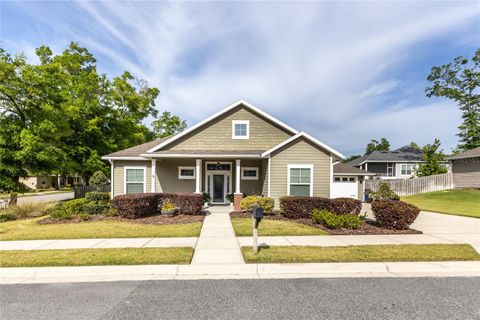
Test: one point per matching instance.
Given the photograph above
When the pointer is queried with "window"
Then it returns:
(250, 173)
(300, 180)
(337, 179)
(186, 172)
(240, 129)
(390, 168)
(406, 169)
(134, 180)
(218, 166)
(344, 179)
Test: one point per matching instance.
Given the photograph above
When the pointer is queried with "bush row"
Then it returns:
(93, 203)
(302, 207)
(144, 204)
(334, 221)
(394, 214)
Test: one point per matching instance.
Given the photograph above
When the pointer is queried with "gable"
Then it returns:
(217, 134)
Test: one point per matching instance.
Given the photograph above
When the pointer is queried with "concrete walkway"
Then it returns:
(217, 243)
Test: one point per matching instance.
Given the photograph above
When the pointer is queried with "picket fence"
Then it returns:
(408, 187)
(80, 190)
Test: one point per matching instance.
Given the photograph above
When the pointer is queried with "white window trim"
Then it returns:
(144, 168)
(180, 168)
(412, 169)
(300, 166)
(247, 122)
(347, 177)
(250, 169)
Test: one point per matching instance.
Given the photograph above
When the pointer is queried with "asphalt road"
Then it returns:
(47, 197)
(367, 298)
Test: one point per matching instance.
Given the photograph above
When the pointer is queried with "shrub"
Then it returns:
(98, 179)
(297, 207)
(110, 212)
(94, 208)
(138, 205)
(345, 206)
(97, 196)
(60, 213)
(83, 216)
(75, 206)
(266, 203)
(394, 214)
(30, 209)
(333, 221)
(7, 217)
(384, 192)
(187, 203)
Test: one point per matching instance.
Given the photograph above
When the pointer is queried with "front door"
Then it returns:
(218, 188)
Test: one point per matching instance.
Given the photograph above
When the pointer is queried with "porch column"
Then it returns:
(237, 176)
(198, 176)
(154, 174)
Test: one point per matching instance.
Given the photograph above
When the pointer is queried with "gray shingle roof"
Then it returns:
(137, 150)
(388, 156)
(342, 168)
(467, 154)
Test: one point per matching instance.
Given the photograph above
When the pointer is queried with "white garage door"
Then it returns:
(345, 187)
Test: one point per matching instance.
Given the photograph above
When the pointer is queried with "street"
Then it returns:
(356, 298)
(46, 198)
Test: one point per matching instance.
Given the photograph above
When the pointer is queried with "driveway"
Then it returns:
(47, 197)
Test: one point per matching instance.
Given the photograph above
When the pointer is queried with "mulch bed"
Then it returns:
(157, 219)
(369, 227)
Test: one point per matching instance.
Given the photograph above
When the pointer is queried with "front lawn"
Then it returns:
(95, 257)
(460, 202)
(269, 227)
(373, 253)
(30, 230)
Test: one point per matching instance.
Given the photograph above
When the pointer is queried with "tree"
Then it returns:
(414, 146)
(432, 157)
(460, 82)
(351, 158)
(167, 125)
(61, 115)
(374, 145)
(98, 179)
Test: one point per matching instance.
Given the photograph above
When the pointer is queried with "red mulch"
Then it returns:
(157, 219)
(369, 227)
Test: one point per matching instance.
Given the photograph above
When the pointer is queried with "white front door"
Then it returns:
(345, 187)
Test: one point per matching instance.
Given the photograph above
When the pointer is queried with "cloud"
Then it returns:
(344, 71)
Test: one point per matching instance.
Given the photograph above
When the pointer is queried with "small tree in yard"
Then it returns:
(384, 192)
(432, 157)
(98, 179)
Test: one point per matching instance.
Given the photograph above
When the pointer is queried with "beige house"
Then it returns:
(466, 169)
(239, 150)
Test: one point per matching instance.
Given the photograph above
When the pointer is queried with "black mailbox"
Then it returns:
(257, 212)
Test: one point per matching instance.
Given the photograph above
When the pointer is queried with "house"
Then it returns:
(401, 163)
(465, 167)
(348, 181)
(238, 150)
(49, 181)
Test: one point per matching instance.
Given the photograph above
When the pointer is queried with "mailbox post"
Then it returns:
(257, 217)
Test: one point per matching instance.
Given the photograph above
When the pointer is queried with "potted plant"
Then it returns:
(169, 208)
(230, 197)
(206, 199)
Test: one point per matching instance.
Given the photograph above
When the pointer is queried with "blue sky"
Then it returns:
(345, 72)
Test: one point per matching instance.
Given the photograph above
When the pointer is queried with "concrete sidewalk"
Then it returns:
(217, 243)
(239, 271)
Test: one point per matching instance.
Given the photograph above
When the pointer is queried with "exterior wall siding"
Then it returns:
(300, 152)
(466, 173)
(167, 176)
(119, 178)
(218, 134)
(250, 187)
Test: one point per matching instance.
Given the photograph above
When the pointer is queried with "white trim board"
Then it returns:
(247, 129)
(144, 168)
(308, 137)
(301, 166)
(202, 156)
(218, 114)
(123, 158)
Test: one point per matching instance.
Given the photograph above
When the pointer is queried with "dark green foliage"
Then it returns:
(333, 221)
(167, 125)
(460, 81)
(98, 179)
(374, 145)
(97, 196)
(384, 192)
(95, 208)
(432, 157)
(7, 217)
(393, 214)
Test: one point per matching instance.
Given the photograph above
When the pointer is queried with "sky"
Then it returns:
(345, 72)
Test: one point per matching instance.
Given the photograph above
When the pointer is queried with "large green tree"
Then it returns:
(60, 115)
(375, 145)
(460, 82)
(432, 155)
(167, 125)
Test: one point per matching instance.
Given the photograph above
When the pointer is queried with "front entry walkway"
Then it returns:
(217, 243)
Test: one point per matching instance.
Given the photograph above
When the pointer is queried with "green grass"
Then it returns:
(458, 202)
(374, 253)
(267, 227)
(95, 257)
(31, 230)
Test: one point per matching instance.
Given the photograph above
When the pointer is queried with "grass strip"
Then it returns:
(267, 227)
(95, 257)
(369, 253)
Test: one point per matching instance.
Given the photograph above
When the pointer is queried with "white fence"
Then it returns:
(408, 187)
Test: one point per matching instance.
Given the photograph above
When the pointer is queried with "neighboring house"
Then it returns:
(397, 164)
(48, 181)
(239, 150)
(466, 169)
(348, 181)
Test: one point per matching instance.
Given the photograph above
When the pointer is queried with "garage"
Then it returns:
(348, 181)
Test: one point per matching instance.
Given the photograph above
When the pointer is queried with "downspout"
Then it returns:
(112, 182)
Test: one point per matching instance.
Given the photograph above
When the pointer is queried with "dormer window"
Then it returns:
(240, 129)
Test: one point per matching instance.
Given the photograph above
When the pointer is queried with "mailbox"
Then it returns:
(257, 212)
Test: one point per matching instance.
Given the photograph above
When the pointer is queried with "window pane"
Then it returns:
(187, 172)
(299, 190)
(241, 129)
(351, 179)
(295, 175)
(249, 173)
(337, 179)
(134, 188)
(135, 175)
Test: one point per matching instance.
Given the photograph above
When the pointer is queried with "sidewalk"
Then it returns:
(217, 243)
(239, 271)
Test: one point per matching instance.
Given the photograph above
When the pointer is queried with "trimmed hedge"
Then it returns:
(97, 196)
(138, 205)
(334, 221)
(302, 207)
(144, 204)
(394, 214)
(266, 203)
